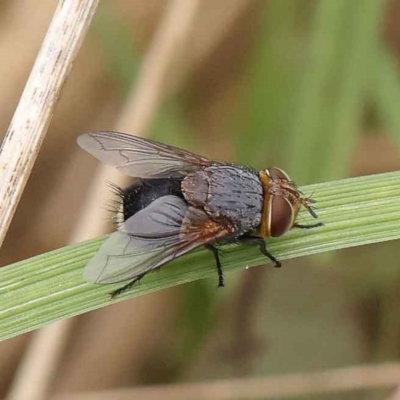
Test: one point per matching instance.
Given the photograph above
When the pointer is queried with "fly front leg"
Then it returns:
(260, 242)
(310, 226)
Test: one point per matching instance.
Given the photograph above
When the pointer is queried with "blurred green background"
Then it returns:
(310, 86)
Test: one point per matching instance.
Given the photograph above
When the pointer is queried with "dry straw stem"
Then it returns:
(141, 106)
(169, 42)
(35, 375)
(339, 380)
(20, 148)
(136, 116)
(38, 101)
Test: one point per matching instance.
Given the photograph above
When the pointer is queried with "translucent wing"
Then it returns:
(141, 158)
(164, 230)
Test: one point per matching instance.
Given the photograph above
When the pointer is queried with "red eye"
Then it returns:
(277, 173)
(281, 216)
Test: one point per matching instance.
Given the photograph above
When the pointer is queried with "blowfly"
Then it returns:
(182, 201)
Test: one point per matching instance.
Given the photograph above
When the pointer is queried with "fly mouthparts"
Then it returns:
(306, 203)
(312, 212)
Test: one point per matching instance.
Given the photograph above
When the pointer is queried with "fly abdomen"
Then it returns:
(143, 192)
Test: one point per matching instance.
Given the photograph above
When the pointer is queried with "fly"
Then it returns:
(182, 201)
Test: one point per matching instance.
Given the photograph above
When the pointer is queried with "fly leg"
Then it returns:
(300, 226)
(127, 286)
(259, 241)
(215, 251)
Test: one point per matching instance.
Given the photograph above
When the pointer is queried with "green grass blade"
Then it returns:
(386, 91)
(121, 58)
(354, 68)
(49, 287)
(311, 91)
(270, 79)
(334, 83)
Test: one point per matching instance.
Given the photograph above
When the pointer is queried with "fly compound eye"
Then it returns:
(277, 173)
(282, 216)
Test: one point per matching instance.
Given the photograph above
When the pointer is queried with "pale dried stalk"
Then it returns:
(39, 98)
(17, 156)
(214, 23)
(140, 108)
(344, 379)
(136, 116)
(35, 376)
(138, 112)
(168, 43)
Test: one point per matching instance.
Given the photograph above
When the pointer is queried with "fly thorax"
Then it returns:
(195, 188)
(228, 193)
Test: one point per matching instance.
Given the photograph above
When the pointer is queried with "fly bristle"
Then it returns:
(116, 215)
(115, 207)
(118, 220)
(116, 203)
(115, 188)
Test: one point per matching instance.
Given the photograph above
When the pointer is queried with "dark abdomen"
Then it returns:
(143, 192)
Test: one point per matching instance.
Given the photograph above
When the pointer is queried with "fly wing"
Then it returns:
(141, 158)
(164, 230)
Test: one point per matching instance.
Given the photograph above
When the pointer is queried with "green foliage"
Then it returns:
(313, 71)
(44, 289)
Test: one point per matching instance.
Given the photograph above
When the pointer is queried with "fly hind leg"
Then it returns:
(126, 287)
(260, 242)
(215, 251)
